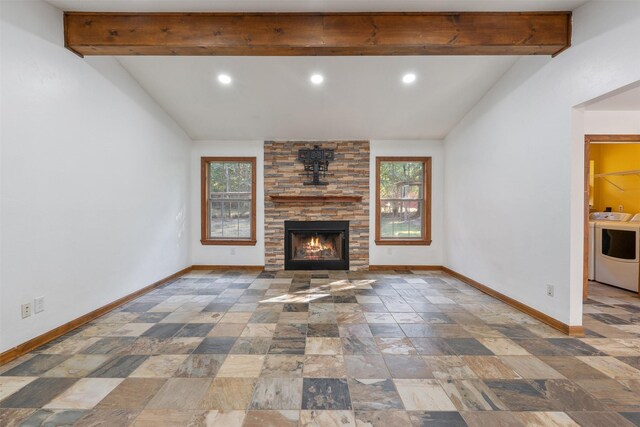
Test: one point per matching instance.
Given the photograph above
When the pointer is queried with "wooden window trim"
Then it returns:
(426, 217)
(205, 238)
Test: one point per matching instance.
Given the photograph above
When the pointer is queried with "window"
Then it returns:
(228, 186)
(403, 200)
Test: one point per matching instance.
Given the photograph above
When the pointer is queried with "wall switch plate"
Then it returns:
(620, 208)
(550, 290)
(389, 251)
(26, 310)
(38, 305)
(233, 251)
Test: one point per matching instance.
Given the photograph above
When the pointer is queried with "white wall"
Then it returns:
(612, 122)
(514, 165)
(254, 255)
(226, 255)
(94, 179)
(410, 255)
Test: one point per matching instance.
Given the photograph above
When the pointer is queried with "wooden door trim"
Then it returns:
(588, 139)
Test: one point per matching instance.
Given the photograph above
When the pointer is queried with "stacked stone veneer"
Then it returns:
(349, 176)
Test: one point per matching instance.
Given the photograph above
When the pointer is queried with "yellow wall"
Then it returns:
(615, 158)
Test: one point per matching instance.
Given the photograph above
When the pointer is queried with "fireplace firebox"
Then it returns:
(316, 245)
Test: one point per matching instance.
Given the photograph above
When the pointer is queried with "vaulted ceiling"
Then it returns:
(273, 98)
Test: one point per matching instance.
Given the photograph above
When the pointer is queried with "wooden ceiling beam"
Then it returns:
(310, 34)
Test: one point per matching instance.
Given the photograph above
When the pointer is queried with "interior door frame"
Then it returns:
(588, 139)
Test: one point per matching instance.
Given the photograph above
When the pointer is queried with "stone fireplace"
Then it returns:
(316, 245)
(345, 198)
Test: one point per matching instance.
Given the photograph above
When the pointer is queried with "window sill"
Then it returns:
(228, 242)
(403, 242)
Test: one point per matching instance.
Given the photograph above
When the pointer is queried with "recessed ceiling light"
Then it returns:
(225, 79)
(408, 78)
(317, 79)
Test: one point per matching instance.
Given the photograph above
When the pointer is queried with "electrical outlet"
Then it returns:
(620, 208)
(26, 310)
(389, 251)
(550, 290)
(233, 251)
(38, 305)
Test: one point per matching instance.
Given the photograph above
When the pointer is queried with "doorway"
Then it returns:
(593, 178)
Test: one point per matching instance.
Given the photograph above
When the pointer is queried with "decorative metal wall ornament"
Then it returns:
(316, 163)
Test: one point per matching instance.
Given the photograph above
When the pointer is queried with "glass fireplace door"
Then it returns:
(316, 246)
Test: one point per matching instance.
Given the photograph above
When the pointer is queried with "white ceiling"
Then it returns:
(625, 100)
(362, 97)
(313, 5)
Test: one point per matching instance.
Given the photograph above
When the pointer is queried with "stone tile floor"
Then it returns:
(402, 348)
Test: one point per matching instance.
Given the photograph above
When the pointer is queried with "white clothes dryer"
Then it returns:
(593, 218)
(617, 253)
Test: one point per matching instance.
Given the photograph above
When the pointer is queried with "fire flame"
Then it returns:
(315, 248)
(315, 245)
